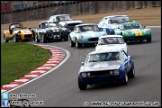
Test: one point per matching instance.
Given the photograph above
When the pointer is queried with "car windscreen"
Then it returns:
(85, 28)
(133, 26)
(107, 56)
(64, 18)
(44, 25)
(111, 40)
(119, 19)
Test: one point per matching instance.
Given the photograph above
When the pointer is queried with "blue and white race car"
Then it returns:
(84, 34)
(106, 66)
(109, 23)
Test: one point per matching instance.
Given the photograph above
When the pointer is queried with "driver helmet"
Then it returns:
(13, 27)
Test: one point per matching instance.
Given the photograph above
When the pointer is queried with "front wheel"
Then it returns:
(44, 39)
(72, 44)
(124, 79)
(36, 38)
(6, 41)
(65, 38)
(5, 38)
(132, 73)
(149, 40)
(77, 44)
(81, 85)
(15, 38)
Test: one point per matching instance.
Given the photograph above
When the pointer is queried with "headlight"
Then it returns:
(116, 72)
(111, 72)
(83, 74)
(147, 31)
(80, 38)
(88, 74)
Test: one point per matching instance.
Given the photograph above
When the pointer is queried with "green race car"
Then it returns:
(133, 31)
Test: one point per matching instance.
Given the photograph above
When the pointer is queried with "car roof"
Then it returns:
(110, 36)
(105, 50)
(60, 15)
(116, 16)
(83, 24)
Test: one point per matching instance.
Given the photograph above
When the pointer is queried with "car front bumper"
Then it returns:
(99, 79)
(136, 37)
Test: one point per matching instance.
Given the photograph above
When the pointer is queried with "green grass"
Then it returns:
(18, 59)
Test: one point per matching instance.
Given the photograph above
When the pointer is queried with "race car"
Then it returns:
(111, 42)
(108, 66)
(85, 34)
(65, 20)
(109, 23)
(133, 31)
(18, 33)
(50, 31)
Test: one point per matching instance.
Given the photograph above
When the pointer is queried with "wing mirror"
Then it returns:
(82, 63)
(129, 57)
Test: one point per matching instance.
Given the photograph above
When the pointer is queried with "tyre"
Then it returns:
(36, 38)
(149, 39)
(77, 44)
(66, 38)
(125, 41)
(34, 34)
(141, 41)
(72, 44)
(44, 40)
(6, 41)
(15, 38)
(81, 85)
(124, 79)
(132, 72)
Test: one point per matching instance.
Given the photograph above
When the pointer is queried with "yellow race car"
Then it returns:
(18, 33)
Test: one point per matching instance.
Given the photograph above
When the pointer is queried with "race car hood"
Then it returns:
(93, 34)
(111, 46)
(101, 65)
(69, 22)
(137, 32)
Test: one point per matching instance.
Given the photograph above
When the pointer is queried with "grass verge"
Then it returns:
(18, 59)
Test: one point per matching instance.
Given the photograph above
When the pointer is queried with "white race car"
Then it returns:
(112, 42)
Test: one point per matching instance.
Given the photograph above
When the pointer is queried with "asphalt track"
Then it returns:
(59, 88)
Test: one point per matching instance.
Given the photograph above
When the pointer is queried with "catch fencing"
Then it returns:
(76, 8)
